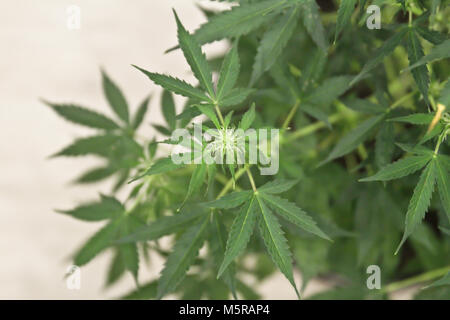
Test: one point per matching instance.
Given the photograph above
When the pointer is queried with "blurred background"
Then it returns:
(42, 58)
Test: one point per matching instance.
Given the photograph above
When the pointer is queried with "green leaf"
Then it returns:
(195, 58)
(116, 269)
(430, 35)
(218, 244)
(168, 109)
(420, 74)
(144, 292)
(235, 96)
(400, 168)
(106, 208)
(444, 97)
(95, 174)
(101, 145)
(208, 110)
(275, 242)
(175, 85)
(96, 244)
(444, 281)
(241, 230)
(140, 113)
(183, 255)
(129, 251)
(238, 21)
(386, 49)
(164, 226)
(197, 179)
(329, 91)
(83, 116)
(294, 214)
(364, 106)
(441, 51)
(231, 200)
(228, 73)
(443, 182)
(345, 11)
(353, 138)
(248, 118)
(416, 118)
(420, 201)
(312, 22)
(384, 144)
(277, 186)
(273, 43)
(115, 97)
(160, 166)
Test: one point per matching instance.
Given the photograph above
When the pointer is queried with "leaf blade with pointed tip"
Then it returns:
(140, 113)
(195, 57)
(248, 118)
(273, 43)
(175, 85)
(228, 73)
(230, 201)
(106, 208)
(83, 116)
(115, 98)
(420, 74)
(168, 109)
(441, 51)
(443, 182)
(400, 168)
(275, 242)
(278, 186)
(345, 11)
(183, 255)
(235, 96)
(312, 22)
(294, 214)
(240, 233)
(416, 118)
(420, 201)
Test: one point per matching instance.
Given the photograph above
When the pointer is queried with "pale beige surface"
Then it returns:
(40, 57)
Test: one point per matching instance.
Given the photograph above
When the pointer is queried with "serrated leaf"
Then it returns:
(312, 22)
(168, 109)
(140, 113)
(96, 244)
(183, 255)
(218, 244)
(164, 226)
(231, 200)
(278, 186)
(83, 116)
(386, 49)
(420, 201)
(235, 96)
(441, 51)
(345, 11)
(229, 72)
(275, 241)
(116, 269)
(293, 214)
(115, 97)
(273, 43)
(160, 166)
(238, 21)
(329, 91)
(144, 292)
(416, 118)
(353, 138)
(209, 111)
(240, 232)
(97, 145)
(106, 208)
(420, 74)
(95, 174)
(128, 251)
(363, 105)
(400, 168)
(431, 36)
(247, 118)
(443, 182)
(197, 179)
(175, 85)
(444, 97)
(384, 145)
(195, 58)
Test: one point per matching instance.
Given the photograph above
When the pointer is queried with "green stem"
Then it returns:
(313, 127)
(219, 113)
(424, 277)
(250, 177)
(291, 114)
(402, 99)
(229, 184)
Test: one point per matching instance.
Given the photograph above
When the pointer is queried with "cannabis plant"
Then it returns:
(358, 120)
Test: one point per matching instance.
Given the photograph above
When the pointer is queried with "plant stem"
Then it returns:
(250, 177)
(402, 99)
(291, 114)
(427, 276)
(219, 113)
(229, 184)
(314, 127)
